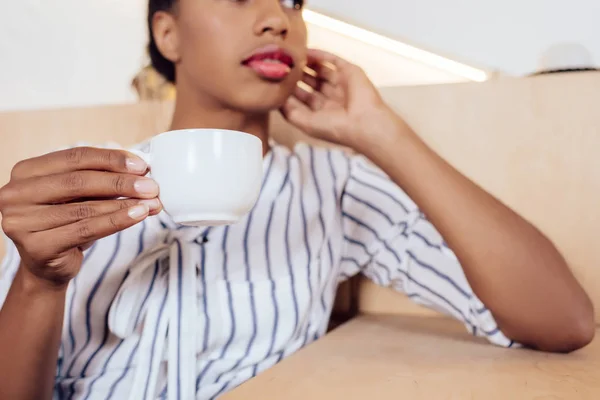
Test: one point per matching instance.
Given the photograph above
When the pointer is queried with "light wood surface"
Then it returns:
(393, 357)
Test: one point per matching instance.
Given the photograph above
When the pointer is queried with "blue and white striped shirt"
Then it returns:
(163, 311)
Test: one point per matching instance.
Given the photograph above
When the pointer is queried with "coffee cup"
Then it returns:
(206, 177)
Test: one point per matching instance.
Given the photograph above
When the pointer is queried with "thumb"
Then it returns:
(298, 114)
(317, 124)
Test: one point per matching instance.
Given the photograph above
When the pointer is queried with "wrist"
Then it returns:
(384, 131)
(33, 285)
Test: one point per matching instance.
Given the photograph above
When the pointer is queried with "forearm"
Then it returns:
(513, 268)
(30, 329)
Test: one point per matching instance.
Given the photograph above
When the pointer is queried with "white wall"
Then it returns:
(83, 52)
(500, 34)
(69, 52)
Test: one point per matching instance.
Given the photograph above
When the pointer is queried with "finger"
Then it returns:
(89, 230)
(328, 90)
(345, 71)
(66, 187)
(86, 246)
(80, 158)
(298, 114)
(323, 72)
(316, 56)
(307, 95)
(36, 219)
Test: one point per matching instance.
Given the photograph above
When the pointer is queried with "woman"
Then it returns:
(265, 285)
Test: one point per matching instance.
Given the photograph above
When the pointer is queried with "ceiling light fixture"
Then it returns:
(394, 46)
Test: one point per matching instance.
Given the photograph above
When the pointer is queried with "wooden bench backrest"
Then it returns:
(531, 142)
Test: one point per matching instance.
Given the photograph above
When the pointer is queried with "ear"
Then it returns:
(166, 36)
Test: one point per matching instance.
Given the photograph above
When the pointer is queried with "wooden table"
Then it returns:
(392, 357)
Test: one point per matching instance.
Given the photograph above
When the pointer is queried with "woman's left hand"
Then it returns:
(339, 103)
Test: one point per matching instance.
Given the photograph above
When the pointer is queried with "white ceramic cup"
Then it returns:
(207, 177)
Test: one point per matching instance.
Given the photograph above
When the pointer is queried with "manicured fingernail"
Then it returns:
(152, 204)
(138, 212)
(136, 165)
(146, 187)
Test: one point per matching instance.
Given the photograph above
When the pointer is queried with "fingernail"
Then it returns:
(138, 212)
(136, 165)
(146, 187)
(152, 204)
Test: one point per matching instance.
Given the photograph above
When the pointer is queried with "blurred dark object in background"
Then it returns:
(565, 57)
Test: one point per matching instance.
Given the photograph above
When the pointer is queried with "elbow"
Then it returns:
(585, 336)
(575, 333)
(573, 339)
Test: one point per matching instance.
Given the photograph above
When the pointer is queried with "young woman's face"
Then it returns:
(245, 54)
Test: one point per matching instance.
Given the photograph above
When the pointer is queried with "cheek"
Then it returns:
(204, 44)
(298, 39)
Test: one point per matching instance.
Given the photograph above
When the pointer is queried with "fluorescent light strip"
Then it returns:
(395, 46)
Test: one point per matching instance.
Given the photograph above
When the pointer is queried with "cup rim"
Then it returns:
(226, 131)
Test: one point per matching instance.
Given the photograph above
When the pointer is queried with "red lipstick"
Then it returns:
(270, 62)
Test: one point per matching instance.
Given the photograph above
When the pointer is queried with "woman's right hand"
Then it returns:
(55, 206)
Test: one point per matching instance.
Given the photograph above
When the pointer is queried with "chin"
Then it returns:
(264, 100)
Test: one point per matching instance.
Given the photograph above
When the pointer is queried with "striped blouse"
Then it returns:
(170, 312)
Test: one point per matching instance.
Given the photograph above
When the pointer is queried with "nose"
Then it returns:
(271, 19)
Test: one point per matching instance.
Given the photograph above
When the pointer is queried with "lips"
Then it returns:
(271, 63)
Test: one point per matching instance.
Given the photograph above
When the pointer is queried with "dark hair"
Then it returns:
(163, 66)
